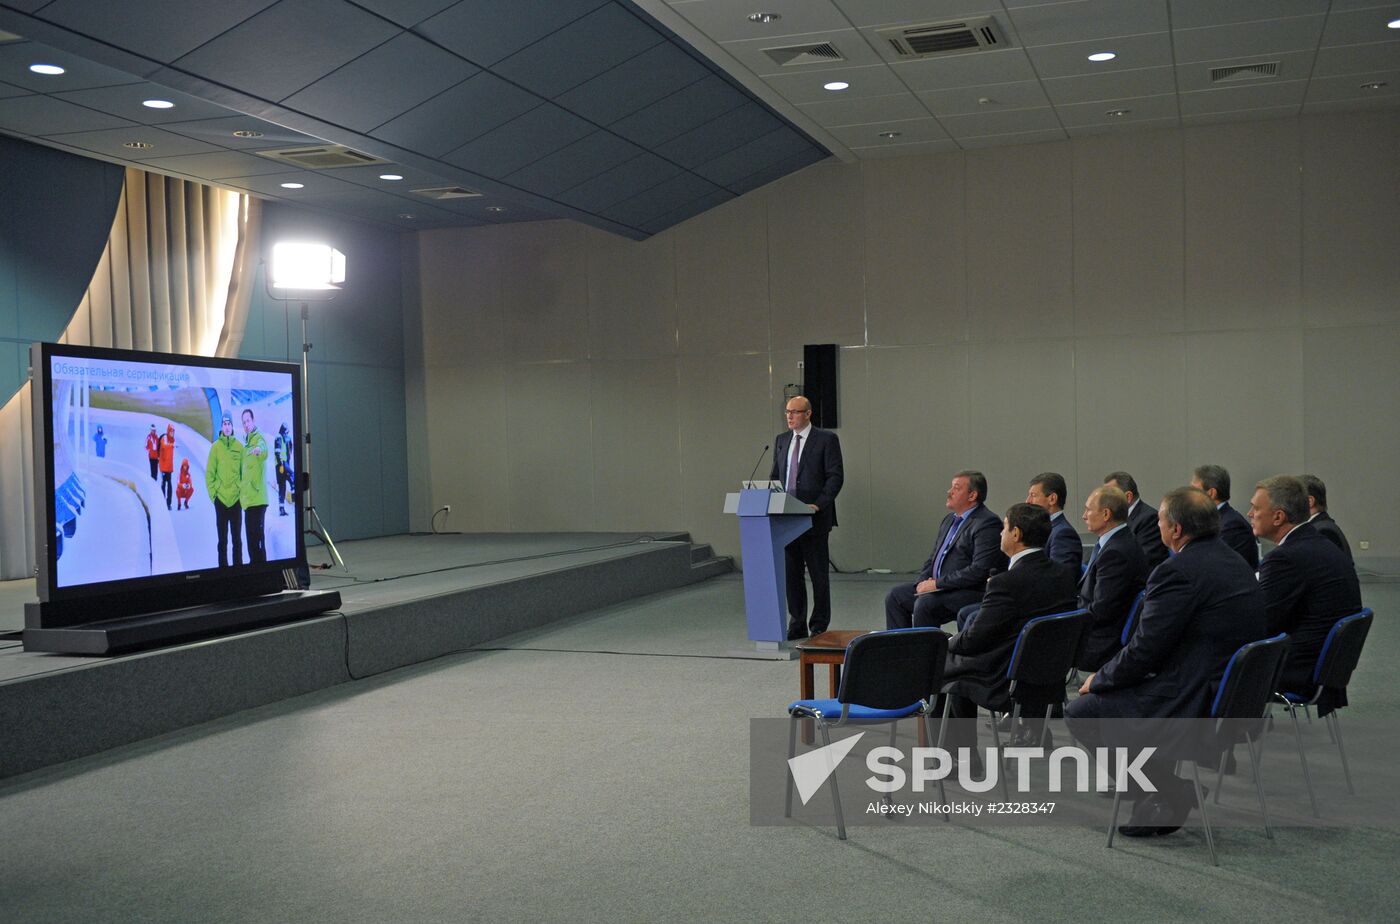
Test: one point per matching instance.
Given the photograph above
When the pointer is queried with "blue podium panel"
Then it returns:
(763, 534)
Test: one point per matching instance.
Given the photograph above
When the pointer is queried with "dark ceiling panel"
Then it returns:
(540, 131)
(680, 112)
(288, 46)
(220, 166)
(221, 132)
(111, 142)
(15, 58)
(782, 168)
(582, 50)
(126, 101)
(734, 165)
(572, 165)
(619, 183)
(10, 90)
(406, 12)
(313, 183)
(41, 115)
(485, 31)
(453, 118)
(655, 73)
(660, 199)
(728, 131)
(159, 29)
(383, 83)
(689, 210)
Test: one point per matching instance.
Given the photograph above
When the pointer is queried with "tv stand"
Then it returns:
(168, 627)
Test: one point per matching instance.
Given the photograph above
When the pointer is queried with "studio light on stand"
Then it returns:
(307, 272)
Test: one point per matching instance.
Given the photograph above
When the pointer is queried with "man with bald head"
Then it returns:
(807, 460)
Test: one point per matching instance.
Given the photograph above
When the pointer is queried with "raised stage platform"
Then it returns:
(406, 599)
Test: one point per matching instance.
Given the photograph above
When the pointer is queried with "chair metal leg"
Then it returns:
(1001, 762)
(1254, 755)
(792, 752)
(1341, 748)
(1045, 728)
(889, 797)
(1220, 774)
(831, 775)
(1117, 802)
(942, 793)
(1303, 759)
(1205, 819)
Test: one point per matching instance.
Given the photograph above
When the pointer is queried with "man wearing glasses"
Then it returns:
(807, 460)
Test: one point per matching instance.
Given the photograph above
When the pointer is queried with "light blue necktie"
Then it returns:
(947, 544)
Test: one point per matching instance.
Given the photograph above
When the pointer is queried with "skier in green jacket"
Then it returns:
(252, 489)
(222, 474)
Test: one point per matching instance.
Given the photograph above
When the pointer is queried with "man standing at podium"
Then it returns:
(807, 461)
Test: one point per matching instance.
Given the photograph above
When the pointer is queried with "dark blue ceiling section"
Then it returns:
(588, 108)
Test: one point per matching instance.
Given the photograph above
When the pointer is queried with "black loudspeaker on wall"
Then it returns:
(819, 383)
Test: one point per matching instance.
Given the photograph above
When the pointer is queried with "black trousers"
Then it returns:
(810, 551)
(281, 485)
(1082, 717)
(165, 488)
(229, 521)
(905, 608)
(253, 520)
(155, 468)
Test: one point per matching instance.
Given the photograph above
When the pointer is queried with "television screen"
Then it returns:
(166, 466)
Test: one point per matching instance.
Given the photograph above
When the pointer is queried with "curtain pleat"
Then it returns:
(176, 276)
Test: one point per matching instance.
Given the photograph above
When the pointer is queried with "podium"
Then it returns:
(768, 521)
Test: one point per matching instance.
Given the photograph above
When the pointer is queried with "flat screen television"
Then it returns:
(161, 481)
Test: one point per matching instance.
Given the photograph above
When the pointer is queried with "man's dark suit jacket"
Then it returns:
(1236, 532)
(1329, 530)
(974, 554)
(1202, 604)
(820, 473)
(1108, 589)
(1065, 546)
(1142, 522)
(1308, 585)
(979, 655)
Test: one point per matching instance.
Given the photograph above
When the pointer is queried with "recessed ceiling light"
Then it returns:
(835, 85)
(138, 145)
(1393, 24)
(247, 133)
(764, 18)
(1374, 86)
(890, 134)
(158, 104)
(48, 70)
(406, 215)
(1117, 113)
(390, 176)
(495, 208)
(293, 185)
(1102, 56)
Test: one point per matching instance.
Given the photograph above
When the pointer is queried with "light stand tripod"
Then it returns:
(312, 523)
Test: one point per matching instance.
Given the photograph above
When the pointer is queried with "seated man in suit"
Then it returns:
(964, 555)
(1308, 583)
(1318, 516)
(979, 655)
(1117, 571)
(1234, 528)
(1048, 490)
(1142, 519)
(1202, 604)
(807, 460)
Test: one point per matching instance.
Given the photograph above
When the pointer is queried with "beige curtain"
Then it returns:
(176, 276)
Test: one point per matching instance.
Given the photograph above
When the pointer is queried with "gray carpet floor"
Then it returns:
(598, 770)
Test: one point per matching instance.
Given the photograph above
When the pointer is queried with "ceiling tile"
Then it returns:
(15, 58)
(1242, 115)
(1147, 81)
(7, 90)
(1327, 89)
(1000, 123)
(729, 168)
(734, 128)
(660, 199)
(906, 150)
(808, 86)
(1083, 20)
(728, 21)
(1192, 14)
(1350, 105)
(1360, 27)
(382, 84)
(1357, 59)
(861, 110)
(159, 29)
(1292, 65)
(573, 164)
(221, 132)
(781, 168)
(863, 13)
(1010, 65)
(455, 117)
(1072, 58)
(689, 210)
(680, 112)
(621, 182)
(406, 13)
(369, 176)
(287, 47)
(125, 101)
(43, 115)
(521, 141)
(485, 31)
(1263, 96)
(561, 61)
(910, 132)
(111, 142)
(997, 141)
(851, 45)
(652, 75)
(1247, 39)
(1140, 109)
(223, 165)
(1025, 94)
(314, 183)
(1118, 127)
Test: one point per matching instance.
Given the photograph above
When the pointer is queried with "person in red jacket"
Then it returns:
(153, 450)
(185, 489)
(167, 462)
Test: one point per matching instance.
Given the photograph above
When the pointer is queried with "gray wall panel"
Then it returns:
(549, 446)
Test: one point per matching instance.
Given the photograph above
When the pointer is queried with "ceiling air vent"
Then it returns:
(1234, 73)
(979, 34)
(321, 157)
(447, 192)
(824, 53)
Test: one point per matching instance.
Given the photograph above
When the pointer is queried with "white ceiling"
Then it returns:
(1042, 87)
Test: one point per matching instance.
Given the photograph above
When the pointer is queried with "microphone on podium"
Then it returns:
(759, 462)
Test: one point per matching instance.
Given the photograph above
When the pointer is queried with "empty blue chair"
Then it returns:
(1131, 621)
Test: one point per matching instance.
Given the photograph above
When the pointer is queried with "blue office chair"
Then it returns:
(1131, 622)
(1043, 654)
(889, 676)
(1335, 664)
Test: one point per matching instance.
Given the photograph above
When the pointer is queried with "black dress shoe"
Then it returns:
(1154, 816)
(796, 633)
(1026, 736)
